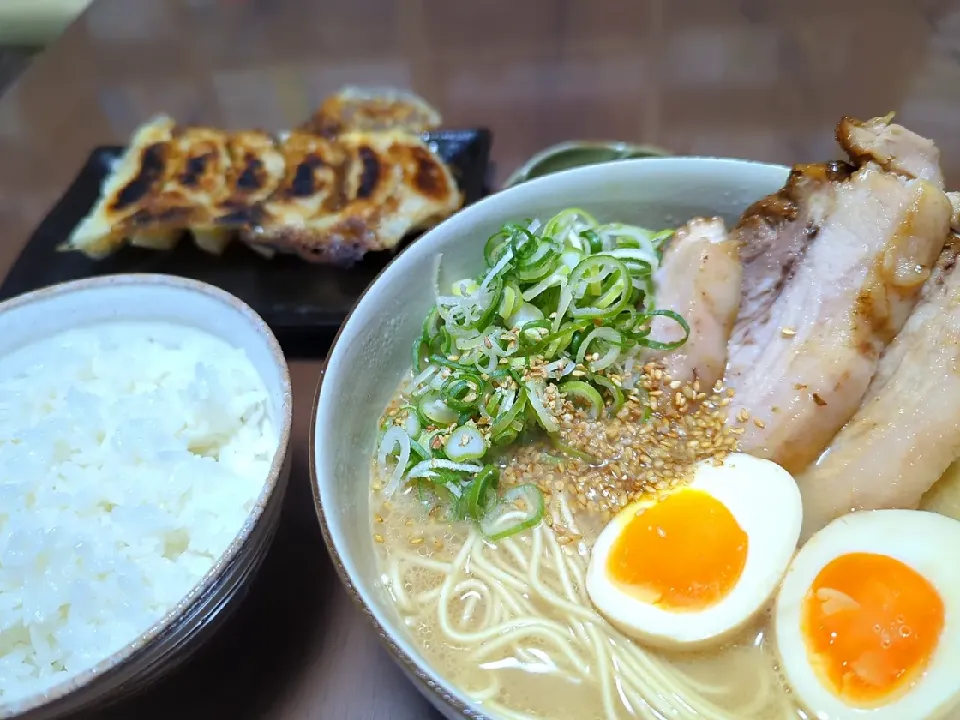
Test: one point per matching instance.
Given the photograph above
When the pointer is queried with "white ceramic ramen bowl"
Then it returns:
(43, 313)
(372, 351)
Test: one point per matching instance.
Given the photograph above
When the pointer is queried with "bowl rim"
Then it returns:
(66, 687)
(522, 173)
(425, 675)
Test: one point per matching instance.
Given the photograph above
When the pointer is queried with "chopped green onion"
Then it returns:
(418, 452)
(434, 411)
(496, 293)
(520, 508)
(584, 394)
(524, 243)
(465, 443)
(481, 495)
(571, 451)
(394, 439)
(510, 301)
(535, 393)
(553, 296)
(534, 335)
(594, 243)
(526, 313)
(421, 351)
(616, 394)
(426, 440)
(429, 468)
(465, 288)
(432, 493)
(411, 423)
(655, 344)
(602, 284)
(510, 434)
(496, 246)
(505, 420)
(613, 342)
(449, 478)
(431, 325)
(462, 391)
(539, 265)
(572, 221)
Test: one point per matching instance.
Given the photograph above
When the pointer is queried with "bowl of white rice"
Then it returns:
(144, 426)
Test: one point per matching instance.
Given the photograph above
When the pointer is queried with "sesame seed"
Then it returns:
(759, 423)
(650, 445)
(378, 538)
(788, 332)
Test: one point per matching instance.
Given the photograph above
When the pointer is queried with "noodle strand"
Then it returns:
(490, 602)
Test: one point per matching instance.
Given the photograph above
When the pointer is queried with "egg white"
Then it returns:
(764, 500)
(926, 542)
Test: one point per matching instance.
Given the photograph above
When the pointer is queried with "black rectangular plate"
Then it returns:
(303, 303)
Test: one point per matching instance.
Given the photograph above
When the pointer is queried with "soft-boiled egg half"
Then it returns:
(698, 563)
(868, 618)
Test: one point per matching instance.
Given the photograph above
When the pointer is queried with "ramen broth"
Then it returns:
(530, 420)
(417, 549)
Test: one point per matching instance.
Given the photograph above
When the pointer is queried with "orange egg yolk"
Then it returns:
(871, 624)
(684, 553)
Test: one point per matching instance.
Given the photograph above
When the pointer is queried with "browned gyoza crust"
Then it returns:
(325, 198)
(372, 110)
(360, 192)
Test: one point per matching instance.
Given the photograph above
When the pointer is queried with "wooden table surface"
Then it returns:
(755, 79)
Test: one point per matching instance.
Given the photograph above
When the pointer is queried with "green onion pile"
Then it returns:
(560, 308)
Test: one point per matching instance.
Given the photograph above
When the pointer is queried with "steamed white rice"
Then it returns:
(130, 457)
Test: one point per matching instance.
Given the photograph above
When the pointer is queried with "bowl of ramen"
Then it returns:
(662, 438)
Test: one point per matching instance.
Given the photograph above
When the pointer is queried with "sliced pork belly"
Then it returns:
(700, 280)
(891, 146)
(832, 267)
(773, 236)
(907, 432)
